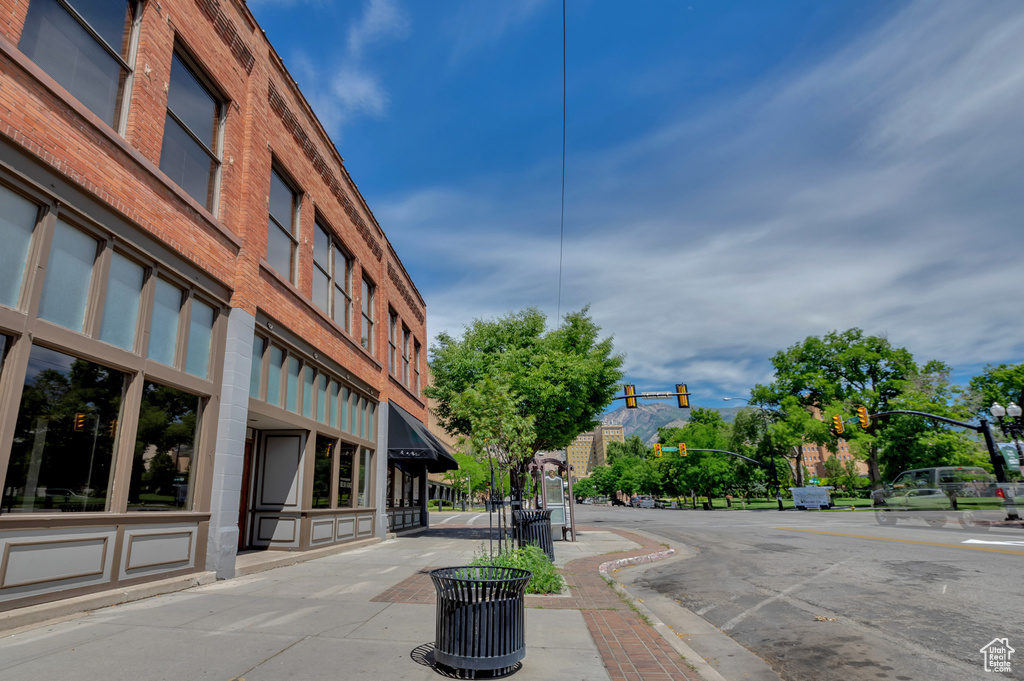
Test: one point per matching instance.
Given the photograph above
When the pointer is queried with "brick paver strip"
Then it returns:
(631, 649)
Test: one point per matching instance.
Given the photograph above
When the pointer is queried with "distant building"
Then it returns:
(579, 453)
(604, 434)
(590, 449)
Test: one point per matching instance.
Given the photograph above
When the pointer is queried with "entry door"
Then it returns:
(279, 475)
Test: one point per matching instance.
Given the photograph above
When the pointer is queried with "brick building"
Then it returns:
(207, 342)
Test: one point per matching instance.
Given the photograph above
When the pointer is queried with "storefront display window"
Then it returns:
(364, 477)
(163, 463)
(322, 472)
(17, 222)
(345, 456)
(65, 440)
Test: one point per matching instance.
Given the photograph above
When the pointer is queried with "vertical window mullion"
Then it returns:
(184, 324)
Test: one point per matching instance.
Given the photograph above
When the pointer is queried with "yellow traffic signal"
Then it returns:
(862, 416)
(684, 397)
(657, 449)
(682, 449)
(79, 422)
(837, 424)
(630, 390)
(112, 428)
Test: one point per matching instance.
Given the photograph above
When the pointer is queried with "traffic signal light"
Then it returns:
(862, 416)
(112, 431)
(837, 424)
(682, 449)
(79, 422)
(630, 390)
(657, 449)
(684, 397)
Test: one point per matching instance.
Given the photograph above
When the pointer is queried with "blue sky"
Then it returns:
(739, 175)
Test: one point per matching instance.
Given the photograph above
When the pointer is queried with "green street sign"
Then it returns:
(669, 449)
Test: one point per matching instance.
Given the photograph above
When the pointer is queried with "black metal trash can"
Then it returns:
(481, 618)
(533, 528)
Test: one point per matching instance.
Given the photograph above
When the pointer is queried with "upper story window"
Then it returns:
(191, 148)
(392, 342)
(332, 277)
(281, 238)
(367, 335)
(416, 367)
(85, 46)
(406, 354)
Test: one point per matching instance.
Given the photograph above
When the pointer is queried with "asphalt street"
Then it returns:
(834, 595)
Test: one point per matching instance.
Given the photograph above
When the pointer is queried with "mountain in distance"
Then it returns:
(645, 420)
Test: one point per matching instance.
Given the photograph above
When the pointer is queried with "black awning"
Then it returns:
(409, 440)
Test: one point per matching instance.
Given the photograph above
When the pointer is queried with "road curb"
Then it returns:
(700, 665)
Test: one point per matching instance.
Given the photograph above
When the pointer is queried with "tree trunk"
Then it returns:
(873, 473)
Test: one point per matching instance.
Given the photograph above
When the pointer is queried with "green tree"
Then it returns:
(561, 379)
(841, 367)
(584, 488)
(497, 429)
(1003, 384)
(633, 446)
(710, 473)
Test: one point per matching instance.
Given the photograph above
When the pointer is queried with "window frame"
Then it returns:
(335, 251)
(122, 101)
(293, 235)
(221, 102)
(368, 313)
(27, 329)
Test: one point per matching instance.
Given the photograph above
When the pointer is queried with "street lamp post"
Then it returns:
(1013, 430)
(771, 455)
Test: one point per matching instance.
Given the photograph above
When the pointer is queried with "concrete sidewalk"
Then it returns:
(367, 613)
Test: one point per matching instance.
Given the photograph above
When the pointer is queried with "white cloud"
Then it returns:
(480, 24)
(343, 87)
(878, 188)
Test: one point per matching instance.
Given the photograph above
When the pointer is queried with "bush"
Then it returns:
(545, 580)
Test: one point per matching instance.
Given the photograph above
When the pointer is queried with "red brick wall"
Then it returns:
(233, 54)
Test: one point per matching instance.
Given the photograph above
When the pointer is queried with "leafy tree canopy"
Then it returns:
(561, 378)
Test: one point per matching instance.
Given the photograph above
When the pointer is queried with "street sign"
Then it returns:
(1010, 455)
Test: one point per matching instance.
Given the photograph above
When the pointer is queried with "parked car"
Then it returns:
(644, 501)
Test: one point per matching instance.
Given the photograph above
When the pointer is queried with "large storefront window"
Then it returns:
(164, 458)
(322, 472)
(365, 483)
(345, 456)
(17, 222)
(65, 440)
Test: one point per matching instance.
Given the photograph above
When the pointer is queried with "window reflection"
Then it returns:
(59, 43)
(162, 467)
(322, 472)
(63, 453)
(364, 477)
(345, 456)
